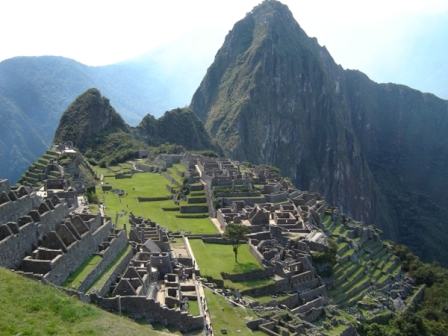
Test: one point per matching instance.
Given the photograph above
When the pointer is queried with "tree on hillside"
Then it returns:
(236, 233)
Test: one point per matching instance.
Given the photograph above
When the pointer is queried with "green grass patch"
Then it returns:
(149, 185)
(175, 174)
(103, 277)
(193, 308)
(76, 278)
(181, 168)
(207, 256)
(227, 317)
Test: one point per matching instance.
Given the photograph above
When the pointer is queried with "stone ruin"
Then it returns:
(45, 238)
(48, 238)
(284, 225)
(156, 285)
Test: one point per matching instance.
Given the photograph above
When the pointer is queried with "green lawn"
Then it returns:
(193, 308)
(180, 167)
(175, 171)
(99, 283)
(268, 298)
(216, 258)
(111, 171)
(225, 316)
(76, 278)
(148, 185)
(93, 208)
(30, 308)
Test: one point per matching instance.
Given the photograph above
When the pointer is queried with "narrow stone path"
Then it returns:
(217, 225)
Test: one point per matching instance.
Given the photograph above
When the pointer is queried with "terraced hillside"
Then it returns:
(366, 272)
(56, 165)
(36, 173)
(152, 195)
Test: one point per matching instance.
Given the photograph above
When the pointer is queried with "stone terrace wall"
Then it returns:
(141, 308)
(4, 185)
(116, 246)
(121, 267)
(193, 209)
(279, 286)
(51, 218)
(14, 247)
(77, 254)
(254, 275)
(12, 210)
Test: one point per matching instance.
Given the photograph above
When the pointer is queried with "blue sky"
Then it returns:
(402, 41)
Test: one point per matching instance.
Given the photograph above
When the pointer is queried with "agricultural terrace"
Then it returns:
(357, 269)
(151, 186)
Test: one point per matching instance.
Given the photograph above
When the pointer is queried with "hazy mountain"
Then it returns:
(34, 91)
(274, 95)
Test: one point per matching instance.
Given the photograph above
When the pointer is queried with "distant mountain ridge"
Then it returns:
(34, 91)
(273, 95)
(93, 126)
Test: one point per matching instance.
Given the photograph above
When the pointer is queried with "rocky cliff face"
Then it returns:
(274, 95)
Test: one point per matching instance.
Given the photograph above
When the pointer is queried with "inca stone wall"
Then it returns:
(19, 240)
(15, 246)
(4, 185)
(108, 256)
(121, 267)
(77, 253)
(12, 210)
(141, 308)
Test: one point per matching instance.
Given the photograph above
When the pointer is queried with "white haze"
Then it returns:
(400, 41)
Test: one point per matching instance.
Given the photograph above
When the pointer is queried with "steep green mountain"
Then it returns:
(88, 120)
(273, 95)
(93, 126)
(34, 91)
(180, 126)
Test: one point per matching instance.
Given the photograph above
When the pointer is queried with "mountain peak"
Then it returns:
(270, 8)
(87, 117)
(178, 126)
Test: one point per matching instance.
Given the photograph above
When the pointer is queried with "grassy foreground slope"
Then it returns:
(31, 308)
